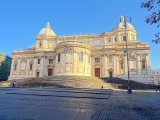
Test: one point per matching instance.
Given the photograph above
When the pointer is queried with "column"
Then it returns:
(148, 64)
(27, 66)
(126, 65)
(42, 66)
(75, 62)
(35, 63)
(105, 68)
(138, 65)
(18, 66)
(103, 64)
(45, 66)
(115, 66)
(118, 72)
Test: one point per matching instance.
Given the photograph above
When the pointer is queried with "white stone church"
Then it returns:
(99, 55)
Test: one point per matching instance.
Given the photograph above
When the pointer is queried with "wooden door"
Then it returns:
(110, 74)
(97, 72)
(37, 74)
(50, 72)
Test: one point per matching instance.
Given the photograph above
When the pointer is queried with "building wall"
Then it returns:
(156, 75)
(101, 55)
(5, 64)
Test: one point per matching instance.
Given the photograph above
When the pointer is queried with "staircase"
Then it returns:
(120, 83)
(61, 81)
(78, 82)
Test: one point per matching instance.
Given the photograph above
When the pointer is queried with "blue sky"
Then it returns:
(21, 21)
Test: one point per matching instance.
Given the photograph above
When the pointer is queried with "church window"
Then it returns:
(110, 59)
(143, 56)
(40, 45)
(39, 61)
(109, 41)
(143, 64)
(97, 60)
(50, 61)
(124, 38)
(81, 56)
(59, 57)
(15, 67)
(115, 39)
(121, 65)
(30, 67)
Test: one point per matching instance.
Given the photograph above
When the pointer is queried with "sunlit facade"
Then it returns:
(156, 76)
(100, 55)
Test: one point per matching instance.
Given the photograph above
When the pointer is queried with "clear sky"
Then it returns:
(22, 20)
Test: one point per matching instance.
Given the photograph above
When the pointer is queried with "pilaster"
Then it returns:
(35, 63)
(27, 67)
(125, 65)
(115, 66)
(18, 66)
(138, 65)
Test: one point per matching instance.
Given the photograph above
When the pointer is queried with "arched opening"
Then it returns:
(50, 71)
(110, 72)
(97, 70)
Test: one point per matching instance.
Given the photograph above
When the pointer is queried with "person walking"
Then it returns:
(102, 87)
(13, 84)
(157, 88)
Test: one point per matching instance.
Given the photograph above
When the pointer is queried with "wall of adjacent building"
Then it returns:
(5, 65)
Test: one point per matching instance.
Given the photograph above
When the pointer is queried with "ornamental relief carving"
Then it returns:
(132, 56)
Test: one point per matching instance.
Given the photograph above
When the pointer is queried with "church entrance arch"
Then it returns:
(50, 71)
(110, 73)
(97, 72)
(37, 73)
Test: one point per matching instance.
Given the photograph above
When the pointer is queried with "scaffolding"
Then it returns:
(5, 66)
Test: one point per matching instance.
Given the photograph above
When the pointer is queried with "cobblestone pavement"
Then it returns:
(77, 104)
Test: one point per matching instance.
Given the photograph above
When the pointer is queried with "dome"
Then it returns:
(47, 31)
(121, 24)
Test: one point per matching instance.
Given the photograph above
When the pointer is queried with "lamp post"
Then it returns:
(125, 25)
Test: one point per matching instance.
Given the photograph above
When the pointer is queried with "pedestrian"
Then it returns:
(13, 84)
(157, 88)
(102, 87)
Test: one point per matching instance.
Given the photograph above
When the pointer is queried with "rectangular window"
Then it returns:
(80, 56)
(15, 67)
(121, 66)
(50, 61)
(115, 39)
(59, 57)
(39, 60)
(30, 67)
(124, 38)
(97, 60)
(143, 65)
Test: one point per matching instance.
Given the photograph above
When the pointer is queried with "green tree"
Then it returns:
(153, 6)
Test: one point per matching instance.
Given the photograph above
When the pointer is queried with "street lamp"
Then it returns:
(125, 25)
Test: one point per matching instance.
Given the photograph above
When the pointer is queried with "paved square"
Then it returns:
(77, 104)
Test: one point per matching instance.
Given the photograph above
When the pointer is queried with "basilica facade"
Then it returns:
(99, 55)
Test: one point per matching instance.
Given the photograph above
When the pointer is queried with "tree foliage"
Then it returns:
(153, 6)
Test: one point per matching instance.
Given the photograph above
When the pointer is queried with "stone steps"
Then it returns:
(61, 81)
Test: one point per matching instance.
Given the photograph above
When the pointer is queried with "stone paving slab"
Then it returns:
(141, 105)
(18, 104)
